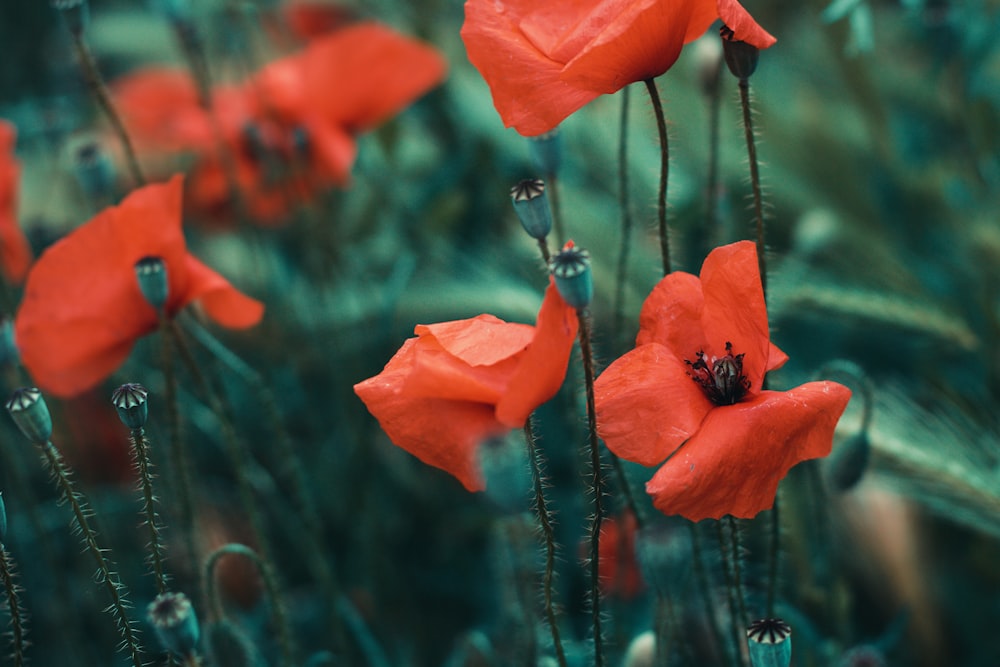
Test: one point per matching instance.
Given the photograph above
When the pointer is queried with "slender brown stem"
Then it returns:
(736, 626)
(17, 628)
(661, 202)
(597, 486)
(626, 217)
(535, 458)
(712, 188)
(140, 447)
(543, 247)
(100, 93)
(758, 205)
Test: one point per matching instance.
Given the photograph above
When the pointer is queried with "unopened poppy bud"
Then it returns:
(546, 151)
(741, 58)
(571, 269)
(708, 60)
(848, 462)
(76, 14)
(94, 171)
(3, 520)
(151, 272)
(770, 642)
(174, 622)
(532, 207)
(130, 402)
(28, 410)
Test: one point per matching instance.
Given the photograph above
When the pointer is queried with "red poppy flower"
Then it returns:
(543, 61)
(459, 383)
(82, 308)
(618, 568)
(15, 253)
(291, 128)
(308, 19)
(690, 393)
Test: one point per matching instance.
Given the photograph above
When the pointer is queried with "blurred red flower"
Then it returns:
(82, 309)
(459, 383)
(618, 568)
(543, 61)
(15, 253)
(290, 130)
(690, 393)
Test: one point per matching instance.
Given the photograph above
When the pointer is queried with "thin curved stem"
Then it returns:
(661, 202)
(140, 449)
(17, 628)
(545, 521)
(626, 217)
(758, 205)
(597, 486)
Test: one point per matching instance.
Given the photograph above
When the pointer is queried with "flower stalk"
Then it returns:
(661, 201)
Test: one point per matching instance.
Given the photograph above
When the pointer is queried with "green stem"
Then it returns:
(773, 556)
(734, 623)
(661, 202)
(13, 606)
(626, 217)
(140, 448)
(116, 589)
(100, 93)
(597, 486)
(537, 462)
(712, 188)
(701, 577)
(758, 205)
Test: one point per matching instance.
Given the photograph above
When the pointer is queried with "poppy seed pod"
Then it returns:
(741, 57)
(532, 207)
(151, 272)
(28, 410)
(546, 151)
(130, 402)
(175, 623)
(770, 642)
(571, 269)
(76, 13)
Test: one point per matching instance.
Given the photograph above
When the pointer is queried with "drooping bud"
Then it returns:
(770, 642)
(741, 57)
(130, 402)
(76, 14)
(847, 463)
(28, 410)
(151, 272)
(546, 151)
(571, 269)
(174, 622)
(532, 207)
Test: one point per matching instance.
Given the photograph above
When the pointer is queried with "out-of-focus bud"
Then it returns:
(175, 623)
(546, 152)
(28, 410)
(151, 272)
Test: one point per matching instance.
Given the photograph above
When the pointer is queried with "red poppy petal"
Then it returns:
(479, 341)
(15, 253)
(776, 358)
(734, 308)
(439, 374)
(160, 109)
(733, 464)
(360, 76)
(542, 369)
(671, 315)
(333, 151)
(220, 300)
(745, 29)
(637, 41)
(647, 405)
(440, 432)
(526, 85)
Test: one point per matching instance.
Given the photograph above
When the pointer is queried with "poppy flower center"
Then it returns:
(721, 378)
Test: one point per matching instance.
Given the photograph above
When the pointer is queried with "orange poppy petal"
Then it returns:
(542, 368)
(745, 29)
(671, 315)
(15, 253)
(160, 109)
(440, 432)
(776, 358)
(733, 464)
(527, 86)
(647, 405)
(480, 341)
(333, 151)
(360, 76)
(220, 300)
(734, 308)
(440, 374)
(638, 41)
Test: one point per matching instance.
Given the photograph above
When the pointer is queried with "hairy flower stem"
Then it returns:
(543, 247)
(270, 580)
(735, 624)
(238, 455)
(17, 629)
(537, 463)
(626, 212)
(319, 558)
(116, 589)
(758, 205)
(140, 448)
(704, 590)
(596, 484)
(180, 462)
(100, 92)
(661, 202)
